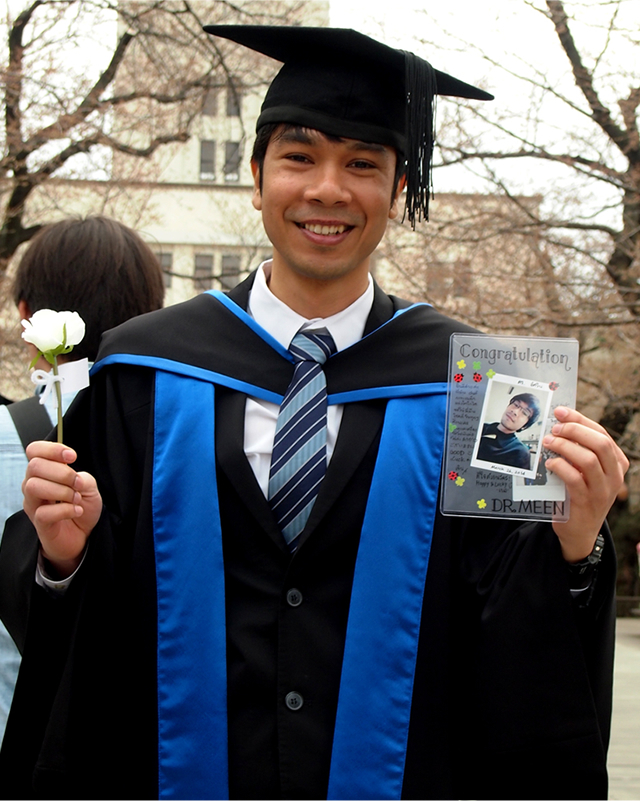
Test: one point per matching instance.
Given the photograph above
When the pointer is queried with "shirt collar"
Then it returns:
(346, 327)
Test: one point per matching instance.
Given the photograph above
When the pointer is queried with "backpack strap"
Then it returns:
(31, 420)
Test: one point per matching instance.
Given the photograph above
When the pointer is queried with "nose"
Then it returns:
(327, 186)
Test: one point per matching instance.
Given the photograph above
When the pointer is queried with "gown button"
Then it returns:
(294, 597)
(294, 701)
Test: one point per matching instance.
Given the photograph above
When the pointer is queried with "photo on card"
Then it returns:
(511, 427)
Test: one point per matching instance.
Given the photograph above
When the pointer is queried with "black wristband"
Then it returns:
(580, 568)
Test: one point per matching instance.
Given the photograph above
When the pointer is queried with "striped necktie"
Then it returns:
(299, 458)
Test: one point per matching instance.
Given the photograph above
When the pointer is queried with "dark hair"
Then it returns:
(95, 266)
(533, 404)
(265, 134)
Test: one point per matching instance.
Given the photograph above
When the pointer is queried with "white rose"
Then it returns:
(46, 330)
(75, 327)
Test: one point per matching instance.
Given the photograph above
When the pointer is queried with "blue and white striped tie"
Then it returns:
(299, 458)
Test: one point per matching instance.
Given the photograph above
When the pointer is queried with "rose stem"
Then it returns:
(59, 397)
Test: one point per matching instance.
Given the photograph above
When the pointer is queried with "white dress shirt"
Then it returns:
(346, 328)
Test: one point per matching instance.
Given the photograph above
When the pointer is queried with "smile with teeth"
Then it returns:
(325, 230)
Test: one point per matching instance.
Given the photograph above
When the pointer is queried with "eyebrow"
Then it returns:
(302, 136)
(295, 135)
(373, 147)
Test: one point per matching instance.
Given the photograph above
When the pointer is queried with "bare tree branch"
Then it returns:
(613, 177)
(146, 96)
(584, 81)
(13, 80)
(61, 127)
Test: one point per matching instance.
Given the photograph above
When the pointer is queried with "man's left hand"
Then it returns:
(593, 470)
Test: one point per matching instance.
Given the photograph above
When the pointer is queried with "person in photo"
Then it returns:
(499, 442)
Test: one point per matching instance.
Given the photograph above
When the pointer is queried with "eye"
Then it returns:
(302, 158)
(361, 164)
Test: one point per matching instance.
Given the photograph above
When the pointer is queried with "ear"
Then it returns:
(256, 198)
(23, 310)
(393, 211)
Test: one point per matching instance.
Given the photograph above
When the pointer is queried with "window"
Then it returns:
(203, 272)
(232, 158)
(234, 99)
(207, 160)
(230, 272)
(210, 103)
(166, 263)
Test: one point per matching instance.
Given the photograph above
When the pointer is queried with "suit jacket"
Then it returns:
(512, 688)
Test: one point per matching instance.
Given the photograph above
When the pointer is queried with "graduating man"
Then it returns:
(234, 620)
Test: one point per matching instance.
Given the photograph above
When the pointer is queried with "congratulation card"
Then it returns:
(502, 393)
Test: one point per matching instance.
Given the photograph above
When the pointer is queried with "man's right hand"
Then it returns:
(64, 506)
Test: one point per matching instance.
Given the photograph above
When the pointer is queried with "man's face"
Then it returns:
(516, 415)
(325, 204)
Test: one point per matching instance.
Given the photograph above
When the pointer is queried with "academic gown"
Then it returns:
(512, 689)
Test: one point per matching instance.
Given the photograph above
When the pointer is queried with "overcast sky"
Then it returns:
(454, 36)
(463, 37)
(494, 26)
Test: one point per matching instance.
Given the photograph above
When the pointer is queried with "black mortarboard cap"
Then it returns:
(343, 83)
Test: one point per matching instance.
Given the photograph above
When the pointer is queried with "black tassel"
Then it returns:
(421, 88)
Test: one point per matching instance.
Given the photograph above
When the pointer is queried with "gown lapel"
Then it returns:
(233, 461)
(230, 407)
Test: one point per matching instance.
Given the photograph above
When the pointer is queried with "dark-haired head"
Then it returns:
(533, 405)
(97, 267)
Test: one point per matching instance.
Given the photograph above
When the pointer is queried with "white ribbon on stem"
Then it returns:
(46, 379)
(72, 377)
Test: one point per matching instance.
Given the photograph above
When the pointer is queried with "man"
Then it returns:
(104, 271)
(269, 660)
(499, 442)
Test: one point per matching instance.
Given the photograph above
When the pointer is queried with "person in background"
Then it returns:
(103, 270)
